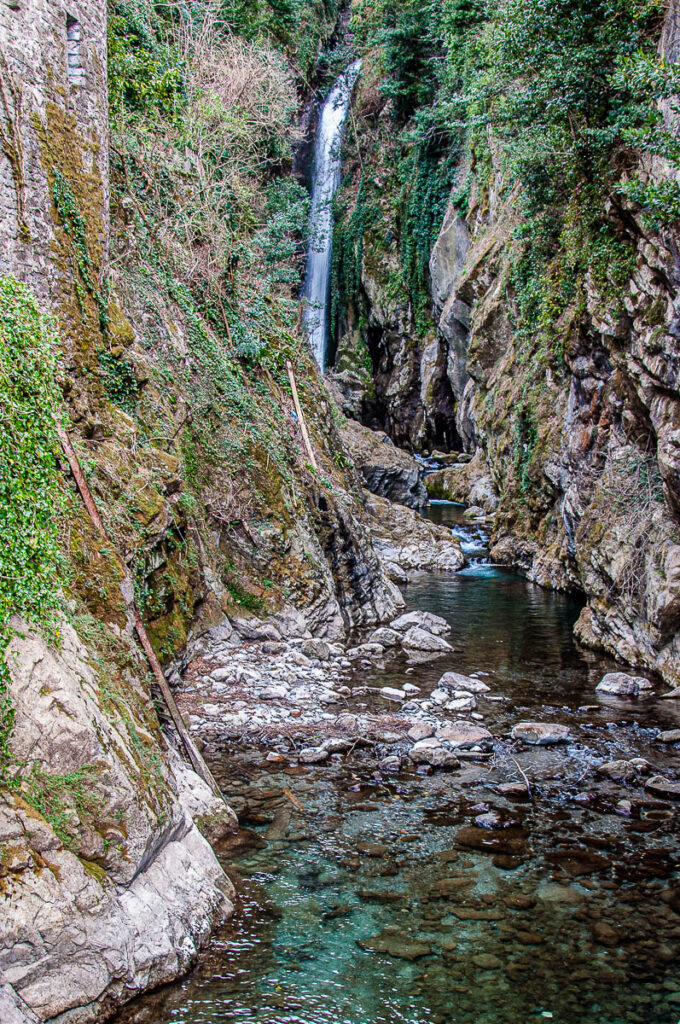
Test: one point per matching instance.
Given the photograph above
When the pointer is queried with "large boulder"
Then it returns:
(623, 685)
(403, 538)
(467, 482)
(420, 640)
(423, 620)
(386, 470)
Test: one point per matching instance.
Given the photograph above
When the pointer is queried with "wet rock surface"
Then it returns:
(541, 734)
(622, 684)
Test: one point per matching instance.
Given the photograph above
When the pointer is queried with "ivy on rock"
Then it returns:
(32, 565)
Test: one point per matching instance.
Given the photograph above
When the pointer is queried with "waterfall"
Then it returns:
(325, 181)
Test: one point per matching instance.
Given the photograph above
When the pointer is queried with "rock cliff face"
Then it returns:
(382, 339)
(580, 454)
(386, 470)
(108, 885)
(588, 475)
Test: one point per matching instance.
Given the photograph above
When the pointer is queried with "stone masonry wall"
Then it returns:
(52, 62)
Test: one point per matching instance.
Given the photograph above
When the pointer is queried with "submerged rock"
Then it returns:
(541, 734)
(396, 944)
(372, 849)
(622, 685)
(510, 842)
(487, 961)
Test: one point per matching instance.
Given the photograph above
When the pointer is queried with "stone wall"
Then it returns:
(52, 66)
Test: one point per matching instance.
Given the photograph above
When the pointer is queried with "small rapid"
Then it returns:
(325, 181)
(471, 532)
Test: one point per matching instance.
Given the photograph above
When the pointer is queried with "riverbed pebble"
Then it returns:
(430, 751)
(669, 736)
(457, 681)
(661, 786)
(313, 755)
(541, 733)
(421, 731)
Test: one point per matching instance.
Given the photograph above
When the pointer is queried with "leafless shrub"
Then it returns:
(631, 490)
(202, 189)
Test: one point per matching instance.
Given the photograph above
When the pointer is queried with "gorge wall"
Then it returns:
(177, 401)
(570, 404)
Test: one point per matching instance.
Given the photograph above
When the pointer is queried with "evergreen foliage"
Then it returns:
(32, 564)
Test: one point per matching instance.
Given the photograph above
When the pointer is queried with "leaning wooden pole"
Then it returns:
(300, 415)
(192, 751)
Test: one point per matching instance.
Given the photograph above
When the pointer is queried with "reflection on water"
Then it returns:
(390, 900)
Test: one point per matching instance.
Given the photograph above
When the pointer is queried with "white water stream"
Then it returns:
(325, 181)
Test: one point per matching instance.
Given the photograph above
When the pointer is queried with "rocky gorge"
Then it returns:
(346, 695)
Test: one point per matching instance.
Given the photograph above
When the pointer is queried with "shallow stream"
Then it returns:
(436, 899)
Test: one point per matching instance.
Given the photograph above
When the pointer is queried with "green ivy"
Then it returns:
(280, 240)
(75, 227)
(32, 566)
(525, 436)
(145, 70)
(120, 382)
(426, 173)
(64, 800)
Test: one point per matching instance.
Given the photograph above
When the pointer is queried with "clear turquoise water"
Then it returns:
(569, 913)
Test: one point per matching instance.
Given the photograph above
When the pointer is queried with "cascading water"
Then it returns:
(325, 181)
